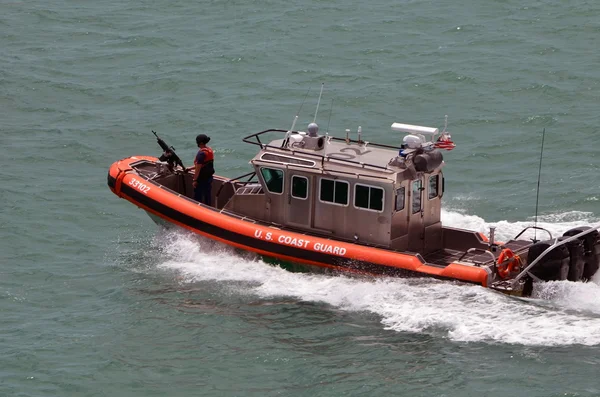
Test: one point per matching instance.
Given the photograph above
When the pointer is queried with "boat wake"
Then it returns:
(560, 313)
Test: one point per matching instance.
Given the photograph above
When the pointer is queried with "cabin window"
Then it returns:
(433, 186)
(300, 187)
(417, 188)
(273, 179)
(368, 197)
(335, 192)
(400, 198)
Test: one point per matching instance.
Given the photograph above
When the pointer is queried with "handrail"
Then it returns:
(230, 181)
(533, 227)
(248, 138)
(549, 249)
(477, 249)
(256, 135)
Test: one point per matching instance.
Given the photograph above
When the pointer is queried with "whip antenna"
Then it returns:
(287, 134)
(537, 199)
(319, 102)
(330, 111)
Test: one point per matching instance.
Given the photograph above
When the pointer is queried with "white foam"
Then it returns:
(556, 224)
(565, 313)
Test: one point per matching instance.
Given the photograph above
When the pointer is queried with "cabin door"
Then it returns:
(299, 198)
(416, 225)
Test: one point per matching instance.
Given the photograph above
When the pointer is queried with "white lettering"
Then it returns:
(330, 249)
(257, 233)
(269, 236)
(289, 240)
(139, 185)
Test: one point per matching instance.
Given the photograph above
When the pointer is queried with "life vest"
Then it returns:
(208, 168)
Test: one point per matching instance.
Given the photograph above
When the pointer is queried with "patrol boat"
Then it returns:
(353, 206)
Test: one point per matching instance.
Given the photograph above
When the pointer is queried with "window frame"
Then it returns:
(334, 182)
(403, 188)
(369, 202)
(412, 193)
(292, 187)
(267, 185)
(437, 186)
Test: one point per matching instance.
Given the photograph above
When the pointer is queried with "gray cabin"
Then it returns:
(348, 189)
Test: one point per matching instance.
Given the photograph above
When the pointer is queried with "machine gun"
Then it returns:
(169, 154)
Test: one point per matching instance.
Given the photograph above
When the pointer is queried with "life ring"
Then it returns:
(507, 263)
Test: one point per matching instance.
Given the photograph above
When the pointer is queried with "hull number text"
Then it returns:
(139, 185)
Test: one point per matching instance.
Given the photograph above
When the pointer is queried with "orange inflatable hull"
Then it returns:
(273, 242)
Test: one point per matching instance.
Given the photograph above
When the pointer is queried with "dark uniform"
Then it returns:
(205, 157)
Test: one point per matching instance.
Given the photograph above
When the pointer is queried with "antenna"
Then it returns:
(330, 111)
(287, 134)
(318, 102)
(537, 199)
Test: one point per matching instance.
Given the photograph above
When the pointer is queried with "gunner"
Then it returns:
(203, 171)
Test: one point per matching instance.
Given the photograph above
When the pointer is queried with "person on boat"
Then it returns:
(203, 171)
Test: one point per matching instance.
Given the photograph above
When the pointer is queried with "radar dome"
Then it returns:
(412, 141)
(313, 129)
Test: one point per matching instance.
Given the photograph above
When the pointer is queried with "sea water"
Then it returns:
(96, 300)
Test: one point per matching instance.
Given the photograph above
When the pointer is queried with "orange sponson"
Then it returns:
(260, 233)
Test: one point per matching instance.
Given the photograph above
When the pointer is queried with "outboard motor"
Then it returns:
(554, 266)
(577, 262)
(591, 246)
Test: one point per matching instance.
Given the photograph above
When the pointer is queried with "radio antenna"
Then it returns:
(537, 199)
(287, 134)
(330, 111)
(318, 102)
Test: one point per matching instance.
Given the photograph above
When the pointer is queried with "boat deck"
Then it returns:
(446, 256)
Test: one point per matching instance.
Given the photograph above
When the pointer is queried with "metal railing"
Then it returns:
(533, 227)
(481, 250)
(231, 181)
(549, 249)
(322, 158)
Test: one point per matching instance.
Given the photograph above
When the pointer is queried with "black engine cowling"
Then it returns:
(554, 266)
(576, 258)
(591, 247)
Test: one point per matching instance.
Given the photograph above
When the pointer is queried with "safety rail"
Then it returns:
(258, 142)
(250, 176)
(481, 250)
(249, 190)
(549, 249)
(533, 227)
